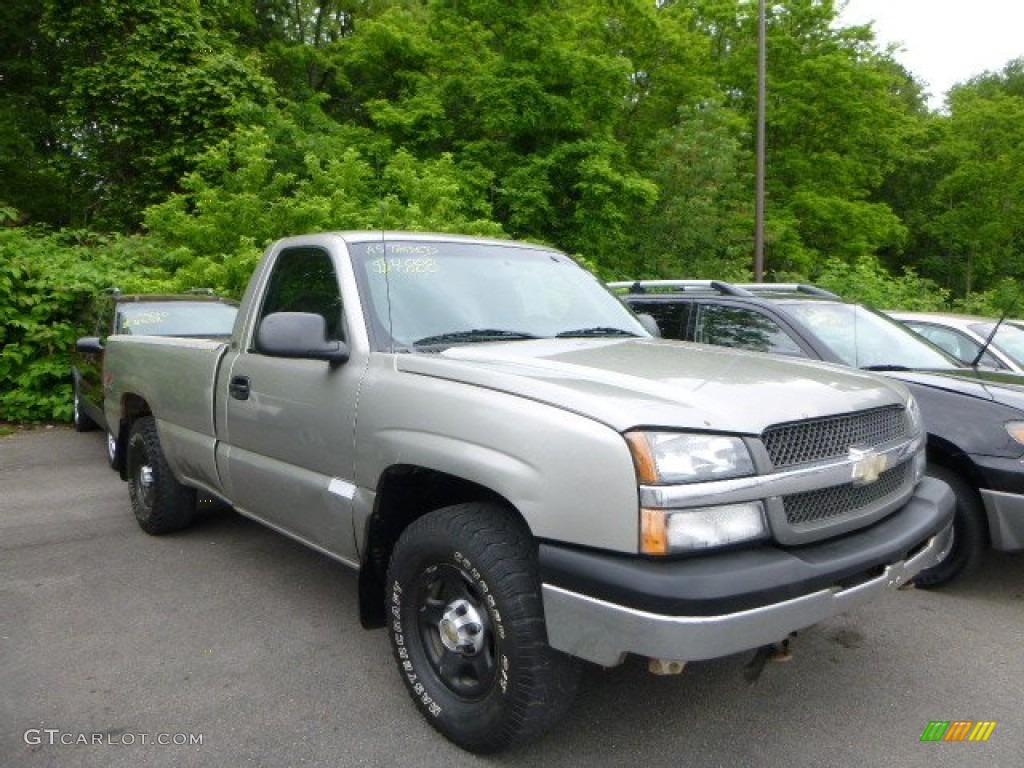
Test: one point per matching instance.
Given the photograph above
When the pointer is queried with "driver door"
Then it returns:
(290, 422)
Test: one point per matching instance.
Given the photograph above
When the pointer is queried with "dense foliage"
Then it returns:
(46, 284)
(167, 143)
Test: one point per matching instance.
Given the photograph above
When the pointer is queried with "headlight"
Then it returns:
(915, 424)
(1016, 430)
(667, 458)
(668, 531)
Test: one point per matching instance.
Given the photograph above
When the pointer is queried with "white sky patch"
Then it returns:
(944, 42)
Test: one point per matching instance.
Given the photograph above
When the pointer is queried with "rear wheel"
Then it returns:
(467, 629)
(161, 504)
(112, 450)
(970, 532)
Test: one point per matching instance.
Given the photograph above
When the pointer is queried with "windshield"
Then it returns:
(1009, 339)
(176, 318)
(864, 338)
(434, 294)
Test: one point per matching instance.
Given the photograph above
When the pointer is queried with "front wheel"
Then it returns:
(467, 629)
(161, 504)
(970, 532)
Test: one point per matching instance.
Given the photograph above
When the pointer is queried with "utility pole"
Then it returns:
(759, 182)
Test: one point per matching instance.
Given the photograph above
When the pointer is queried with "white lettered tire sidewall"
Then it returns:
(429, 692)
(530, 685)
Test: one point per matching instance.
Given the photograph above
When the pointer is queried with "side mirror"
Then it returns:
(90, 345)
(649, 323)
(299, 335)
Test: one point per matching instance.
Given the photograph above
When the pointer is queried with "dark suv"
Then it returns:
(198, 314)
(975, 418)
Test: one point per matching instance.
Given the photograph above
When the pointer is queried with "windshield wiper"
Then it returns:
(886, 367)
(474, 335)
(597, 330)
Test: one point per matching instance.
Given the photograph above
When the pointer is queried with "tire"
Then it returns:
(466, 623)
(161, 504)
(79, 420)
(970, 533)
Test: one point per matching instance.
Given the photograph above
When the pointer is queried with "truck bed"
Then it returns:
(179, 383)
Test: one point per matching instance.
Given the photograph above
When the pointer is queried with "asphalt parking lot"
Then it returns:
(230, 645)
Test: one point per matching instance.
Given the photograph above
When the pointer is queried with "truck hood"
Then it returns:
(628, 383)
(997, 386)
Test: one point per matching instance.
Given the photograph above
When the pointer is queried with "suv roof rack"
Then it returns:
(811, 290)
(723, 288)
(643, 286)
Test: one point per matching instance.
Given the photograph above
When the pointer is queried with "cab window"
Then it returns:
(304, 280)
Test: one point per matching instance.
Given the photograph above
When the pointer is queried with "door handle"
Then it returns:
(239, 387)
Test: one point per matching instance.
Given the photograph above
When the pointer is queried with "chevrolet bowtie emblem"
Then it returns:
(867, 465)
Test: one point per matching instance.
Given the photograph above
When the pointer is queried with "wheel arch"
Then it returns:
(952, 458)
(133, 407)
(406, 493)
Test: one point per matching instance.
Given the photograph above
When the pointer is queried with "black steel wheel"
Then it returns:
(467, 629)
(456, 630)
(161, 504)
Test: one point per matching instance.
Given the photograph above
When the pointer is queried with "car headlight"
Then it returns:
(669, 458)
(675, 531)
(915, 424)
(1016, 430)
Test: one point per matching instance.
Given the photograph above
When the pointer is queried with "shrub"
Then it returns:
(47, 282)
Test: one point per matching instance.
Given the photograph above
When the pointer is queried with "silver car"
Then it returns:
(963, 336)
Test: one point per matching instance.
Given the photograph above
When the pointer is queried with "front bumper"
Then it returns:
(1002, 491)
(600, 607)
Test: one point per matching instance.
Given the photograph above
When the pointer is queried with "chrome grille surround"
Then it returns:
(802, 442)
(831, 492)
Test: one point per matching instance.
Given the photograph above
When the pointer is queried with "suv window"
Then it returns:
(743, 328)
(672, 318)
(864, 338)
(303, 280)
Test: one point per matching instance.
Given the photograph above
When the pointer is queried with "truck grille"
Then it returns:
(842, 500)
(802, 442)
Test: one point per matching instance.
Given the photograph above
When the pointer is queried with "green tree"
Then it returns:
(297, 172)
(30, 166)
(516, 92)
(840, 114)
(867, 281)
(701, 224)
(46, 283)
(979, 201)
(143, 89)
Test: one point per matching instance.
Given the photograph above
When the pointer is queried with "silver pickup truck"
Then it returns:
(520, 474)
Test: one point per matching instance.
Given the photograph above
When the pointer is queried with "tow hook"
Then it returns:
(773, 652)
(665, 666)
